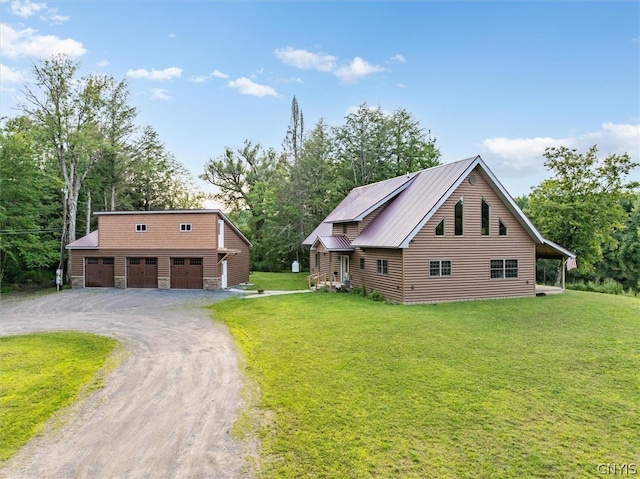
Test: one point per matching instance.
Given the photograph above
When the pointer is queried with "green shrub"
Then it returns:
(377, 296)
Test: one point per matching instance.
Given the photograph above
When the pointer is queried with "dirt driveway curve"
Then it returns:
(165, 412)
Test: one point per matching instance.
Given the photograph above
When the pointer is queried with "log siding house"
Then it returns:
(185, 249)
(446, 233)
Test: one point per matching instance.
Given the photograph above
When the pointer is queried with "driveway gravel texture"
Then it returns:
(164, 412)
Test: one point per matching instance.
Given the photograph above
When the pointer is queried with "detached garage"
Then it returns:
(185, 249)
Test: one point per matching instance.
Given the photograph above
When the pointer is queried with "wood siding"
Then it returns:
(390, 284)
(238, 265)
(470, 254)
(162, 231)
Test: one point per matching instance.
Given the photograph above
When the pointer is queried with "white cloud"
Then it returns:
(156, 75)
(398, 58)
(27, 42)
(198, 79)
(356, 70)
(26, 8)
(525, 153)
(219, 74)
(247, 87)
(10, 76)
(160, 94)
(306, 60)
(103, 63)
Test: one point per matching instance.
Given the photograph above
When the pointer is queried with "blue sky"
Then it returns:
(499, 79)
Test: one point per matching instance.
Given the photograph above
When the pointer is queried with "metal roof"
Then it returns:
(323, 229)
(363, 200)
(411, 200)
(86, 242)
(334, 243)
(396, 225)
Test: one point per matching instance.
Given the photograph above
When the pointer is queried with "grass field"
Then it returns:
(543, 387)
(41, 374)
(278, 281)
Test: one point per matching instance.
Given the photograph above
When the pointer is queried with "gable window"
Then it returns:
(459, 213)
(484, 229)
(382, 266)
(440, 228)
(141, 228)
(502, 228)
(184, 227)
(361, 263)
(440, 268)
(504, 268)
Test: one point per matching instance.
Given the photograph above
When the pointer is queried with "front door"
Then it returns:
(344, 268)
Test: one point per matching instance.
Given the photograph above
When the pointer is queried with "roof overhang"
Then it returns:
(550, 250)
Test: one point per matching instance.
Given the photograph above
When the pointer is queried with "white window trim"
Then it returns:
(141, 228)
(380, 266)
(504, 269)
(185, 228)
(440, 275)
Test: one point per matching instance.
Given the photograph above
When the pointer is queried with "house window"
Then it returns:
(440, 268)
(141, 228)
(344, 228)
(459, 217)
(361, 263)
(485, 218)
(440, 228)
(502, 228)
(382, 266)
(184, 227)
(504, 268)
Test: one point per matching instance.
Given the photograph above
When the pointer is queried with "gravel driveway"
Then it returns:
(165, 412)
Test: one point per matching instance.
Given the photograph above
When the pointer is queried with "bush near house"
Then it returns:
(533, 387)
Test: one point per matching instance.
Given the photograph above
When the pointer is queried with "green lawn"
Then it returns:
(351, 388)
(278, 281)
(40, 374)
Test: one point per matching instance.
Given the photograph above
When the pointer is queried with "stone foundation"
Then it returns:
(211, 284)
(120, 282)
(164, 283)
(77, 282)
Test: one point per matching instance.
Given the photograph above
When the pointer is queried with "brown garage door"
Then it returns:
(186, 273)
(142, 272)
(98, 273)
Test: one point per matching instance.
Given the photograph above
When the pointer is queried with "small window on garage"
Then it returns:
(141, 227)
(134, 260)
(185, 227)
(151, 261)
(92, 260)
(195, 261)
(107, 260)
(178, 261)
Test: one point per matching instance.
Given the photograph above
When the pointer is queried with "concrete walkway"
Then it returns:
(254, 294)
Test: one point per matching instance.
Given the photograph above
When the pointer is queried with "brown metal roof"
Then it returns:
(323, 229)
(363, 200)
(413, 206)
(334, 243)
